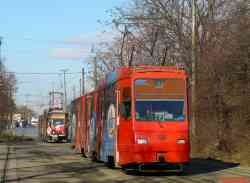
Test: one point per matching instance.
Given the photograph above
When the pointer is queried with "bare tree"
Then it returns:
(7, 104)
(159, 32)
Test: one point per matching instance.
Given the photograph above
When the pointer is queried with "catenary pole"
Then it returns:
(1, 40)
(95, 72)
(83, 81)
(80, 82)
(194, 63)
(65, 89)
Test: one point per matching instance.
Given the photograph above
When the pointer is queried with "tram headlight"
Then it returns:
(181, 141)
(53, 132)
(142, 141)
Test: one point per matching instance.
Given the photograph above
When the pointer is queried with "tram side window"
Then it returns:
(126, 103)
(92, 108)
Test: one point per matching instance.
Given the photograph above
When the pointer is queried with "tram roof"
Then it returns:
(125, 72)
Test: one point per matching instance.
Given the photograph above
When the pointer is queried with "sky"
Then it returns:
(48, 36)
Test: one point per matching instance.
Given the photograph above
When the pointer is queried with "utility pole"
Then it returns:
(26, 107)
(95, 72)
(74, 92)
(1, 74)
(10, 107)
(1, 41)
(65, 89)
(83, 82)
(80, 91)
(194, 62)
(95, 68)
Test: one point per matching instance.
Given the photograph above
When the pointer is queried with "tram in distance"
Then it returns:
(137, 119)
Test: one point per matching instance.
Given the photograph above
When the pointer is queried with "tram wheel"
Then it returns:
(110, 163)
(83, 153)
(130, 169)
(94, 156)
(181, 171)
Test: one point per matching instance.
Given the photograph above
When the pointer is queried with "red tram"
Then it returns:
(136, 118)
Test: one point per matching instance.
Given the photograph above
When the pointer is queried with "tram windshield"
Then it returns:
(56, 122)
(160, 99)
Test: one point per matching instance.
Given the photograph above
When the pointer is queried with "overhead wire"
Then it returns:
(30, 74)
(41, 73)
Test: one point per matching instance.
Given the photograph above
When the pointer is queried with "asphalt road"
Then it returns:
(32, 162)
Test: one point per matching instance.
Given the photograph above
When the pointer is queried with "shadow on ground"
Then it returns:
(197, 166)
(201, 166)
(60, 168)
(79, 169)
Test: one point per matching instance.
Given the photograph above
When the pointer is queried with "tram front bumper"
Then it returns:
(143, 154)
(160, 167)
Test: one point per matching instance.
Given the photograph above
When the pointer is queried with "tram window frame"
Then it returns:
(142, 81)
(126, 113)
